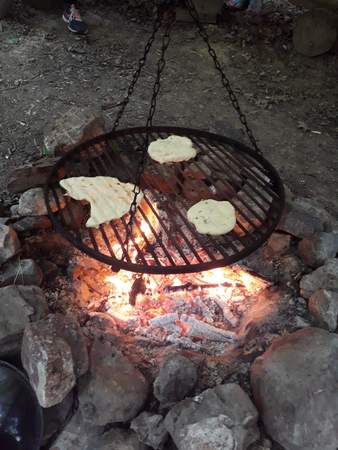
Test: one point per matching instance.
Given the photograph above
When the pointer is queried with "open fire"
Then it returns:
(156, 295)
(181, 308)
(207, 304)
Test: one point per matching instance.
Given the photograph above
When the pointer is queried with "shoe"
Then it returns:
(237, 5)
(72, 16)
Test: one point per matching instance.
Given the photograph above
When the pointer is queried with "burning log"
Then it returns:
(166, 319)
(198, 329)
(194, 287)
(138, 287)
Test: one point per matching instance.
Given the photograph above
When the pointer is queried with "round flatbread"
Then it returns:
(212, 217)
(109, 198)
(172, 149)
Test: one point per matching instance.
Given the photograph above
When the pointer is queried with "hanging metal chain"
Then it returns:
(156, 26)
(225, 81)
(156, 89)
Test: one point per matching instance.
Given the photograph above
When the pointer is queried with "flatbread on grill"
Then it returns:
(109, 198)
(172, 149)
(212, 217)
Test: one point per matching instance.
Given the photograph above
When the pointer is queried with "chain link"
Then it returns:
(156, 89)
(142, 61)
(225, 81)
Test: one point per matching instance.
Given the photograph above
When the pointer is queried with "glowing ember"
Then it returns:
(133, 296)
(189, 305)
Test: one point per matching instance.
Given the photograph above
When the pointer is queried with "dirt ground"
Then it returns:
(290, 100)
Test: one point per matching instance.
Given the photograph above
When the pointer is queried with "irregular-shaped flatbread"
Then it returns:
(172, 149)
(109, 198)
(212, 217)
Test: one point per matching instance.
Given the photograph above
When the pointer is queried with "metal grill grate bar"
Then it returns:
(165, 229)
(238, 171)
(157, 237)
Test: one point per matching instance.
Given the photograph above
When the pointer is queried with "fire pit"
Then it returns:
(160, 350)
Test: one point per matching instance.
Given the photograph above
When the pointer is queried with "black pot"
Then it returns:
(21, 423)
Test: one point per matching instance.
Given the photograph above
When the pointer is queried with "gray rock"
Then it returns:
(115, 439)
(14, 209)
(229, 404)
(300, 322)
(10, 346)
(261, 262)
(316, 249)
(4, 220)
(314, 209)
(176, 379)
(32, 223)
(66, 328)
(72, 127)
(295, 389)
(9, 243)
(77, 434)
(114, 390)
(150, 429)
(32, 203)
(323, 305)
(49, 364)
(303, 218)
(290, 268)
(32, 175)
(279, 243)
(209, 434)
(21, 272)
(325, 277)
(20, 305)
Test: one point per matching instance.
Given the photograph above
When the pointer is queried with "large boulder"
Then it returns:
(54, 354)
(9, 243)
(150, 429)
(76, 435)
(222, 418)
(316, 249)
(20, 305)
(114, 390)
(71, 128)
(176, 379)
(303, 217)
(295, 390)
(32, 203)
(323, 305)
(21, 272)
(211, 433)
(30, 223)
(49, 364)
(325, 277)
(65, 327)
(115, 439)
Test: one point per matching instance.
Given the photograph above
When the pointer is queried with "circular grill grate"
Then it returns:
(163, 241)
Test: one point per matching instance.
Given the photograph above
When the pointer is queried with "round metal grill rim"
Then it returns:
(117, 264)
